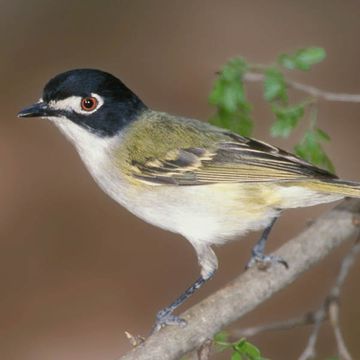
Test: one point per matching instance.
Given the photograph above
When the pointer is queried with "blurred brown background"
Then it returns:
(77, 270)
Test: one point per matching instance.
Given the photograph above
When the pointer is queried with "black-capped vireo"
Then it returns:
(205, 183)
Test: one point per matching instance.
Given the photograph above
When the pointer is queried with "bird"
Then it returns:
(206, 183)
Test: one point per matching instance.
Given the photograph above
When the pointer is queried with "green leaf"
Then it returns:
(287, 61)
(228, 95)
(221, 336)
(274, 85)
(247, 349)
(251, 351)
(236, 356)
(322, 135)
(287, 119)
(310, 149)
(310, 56)
(228, 90)
(221, 341)
(239, 121)
(239, 344)
(303, 59)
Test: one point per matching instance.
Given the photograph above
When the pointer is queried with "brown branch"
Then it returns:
(331, 307)
(306, 319)
(310, 90)
(309, 352)
(328, 309)
(252, 288)
(334, 304)
(340, 342)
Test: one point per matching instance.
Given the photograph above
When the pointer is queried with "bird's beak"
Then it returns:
(40, 109)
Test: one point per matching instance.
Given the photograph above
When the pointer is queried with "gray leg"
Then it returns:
(258, 252)
(208, 262)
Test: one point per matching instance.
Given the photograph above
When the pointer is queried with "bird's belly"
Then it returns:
(216, 213)
(209, 213)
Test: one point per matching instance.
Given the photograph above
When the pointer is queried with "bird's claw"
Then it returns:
(165, 317)
(263, 261)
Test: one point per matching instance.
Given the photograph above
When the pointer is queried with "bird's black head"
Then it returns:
(91, 98)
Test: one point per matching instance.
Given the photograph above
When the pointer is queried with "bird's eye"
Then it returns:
(89, 103)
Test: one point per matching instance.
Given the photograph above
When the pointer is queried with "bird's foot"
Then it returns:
(263, 262)
(165, 317)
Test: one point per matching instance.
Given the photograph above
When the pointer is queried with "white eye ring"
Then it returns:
(75, 103)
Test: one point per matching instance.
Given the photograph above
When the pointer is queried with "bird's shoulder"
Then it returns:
(157, 136)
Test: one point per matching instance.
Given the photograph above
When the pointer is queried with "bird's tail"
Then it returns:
(338, 186)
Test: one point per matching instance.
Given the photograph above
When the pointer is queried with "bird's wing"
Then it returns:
(227, 158)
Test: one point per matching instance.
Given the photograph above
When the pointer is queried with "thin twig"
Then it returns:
(310, 90)
(309, 352)
(306, 319)
(340, 342)
(331, 306)
(334, 305)
(346, 264)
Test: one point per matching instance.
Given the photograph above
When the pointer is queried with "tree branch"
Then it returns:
(309, 352)
(330, 308)
(311, 90)
(253, 287)
(309, 318)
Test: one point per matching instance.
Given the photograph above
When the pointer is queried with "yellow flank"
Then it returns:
(341, 187)
(232, 197)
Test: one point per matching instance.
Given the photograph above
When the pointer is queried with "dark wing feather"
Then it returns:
(235, 159)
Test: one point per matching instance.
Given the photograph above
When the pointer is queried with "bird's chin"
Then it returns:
(54, 118)
(72, 131)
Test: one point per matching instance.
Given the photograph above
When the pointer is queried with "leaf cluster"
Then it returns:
(234, 109)
(240, 350)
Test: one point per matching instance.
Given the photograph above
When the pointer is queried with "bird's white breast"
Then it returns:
(96, 153)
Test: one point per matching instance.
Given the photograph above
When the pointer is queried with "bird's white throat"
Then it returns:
(84, 139)
(94, 150)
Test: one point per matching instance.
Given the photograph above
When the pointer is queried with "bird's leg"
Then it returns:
(257, 254)
(208, 263)
(166, 317)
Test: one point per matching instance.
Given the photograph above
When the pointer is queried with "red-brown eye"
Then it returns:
(89, 103)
